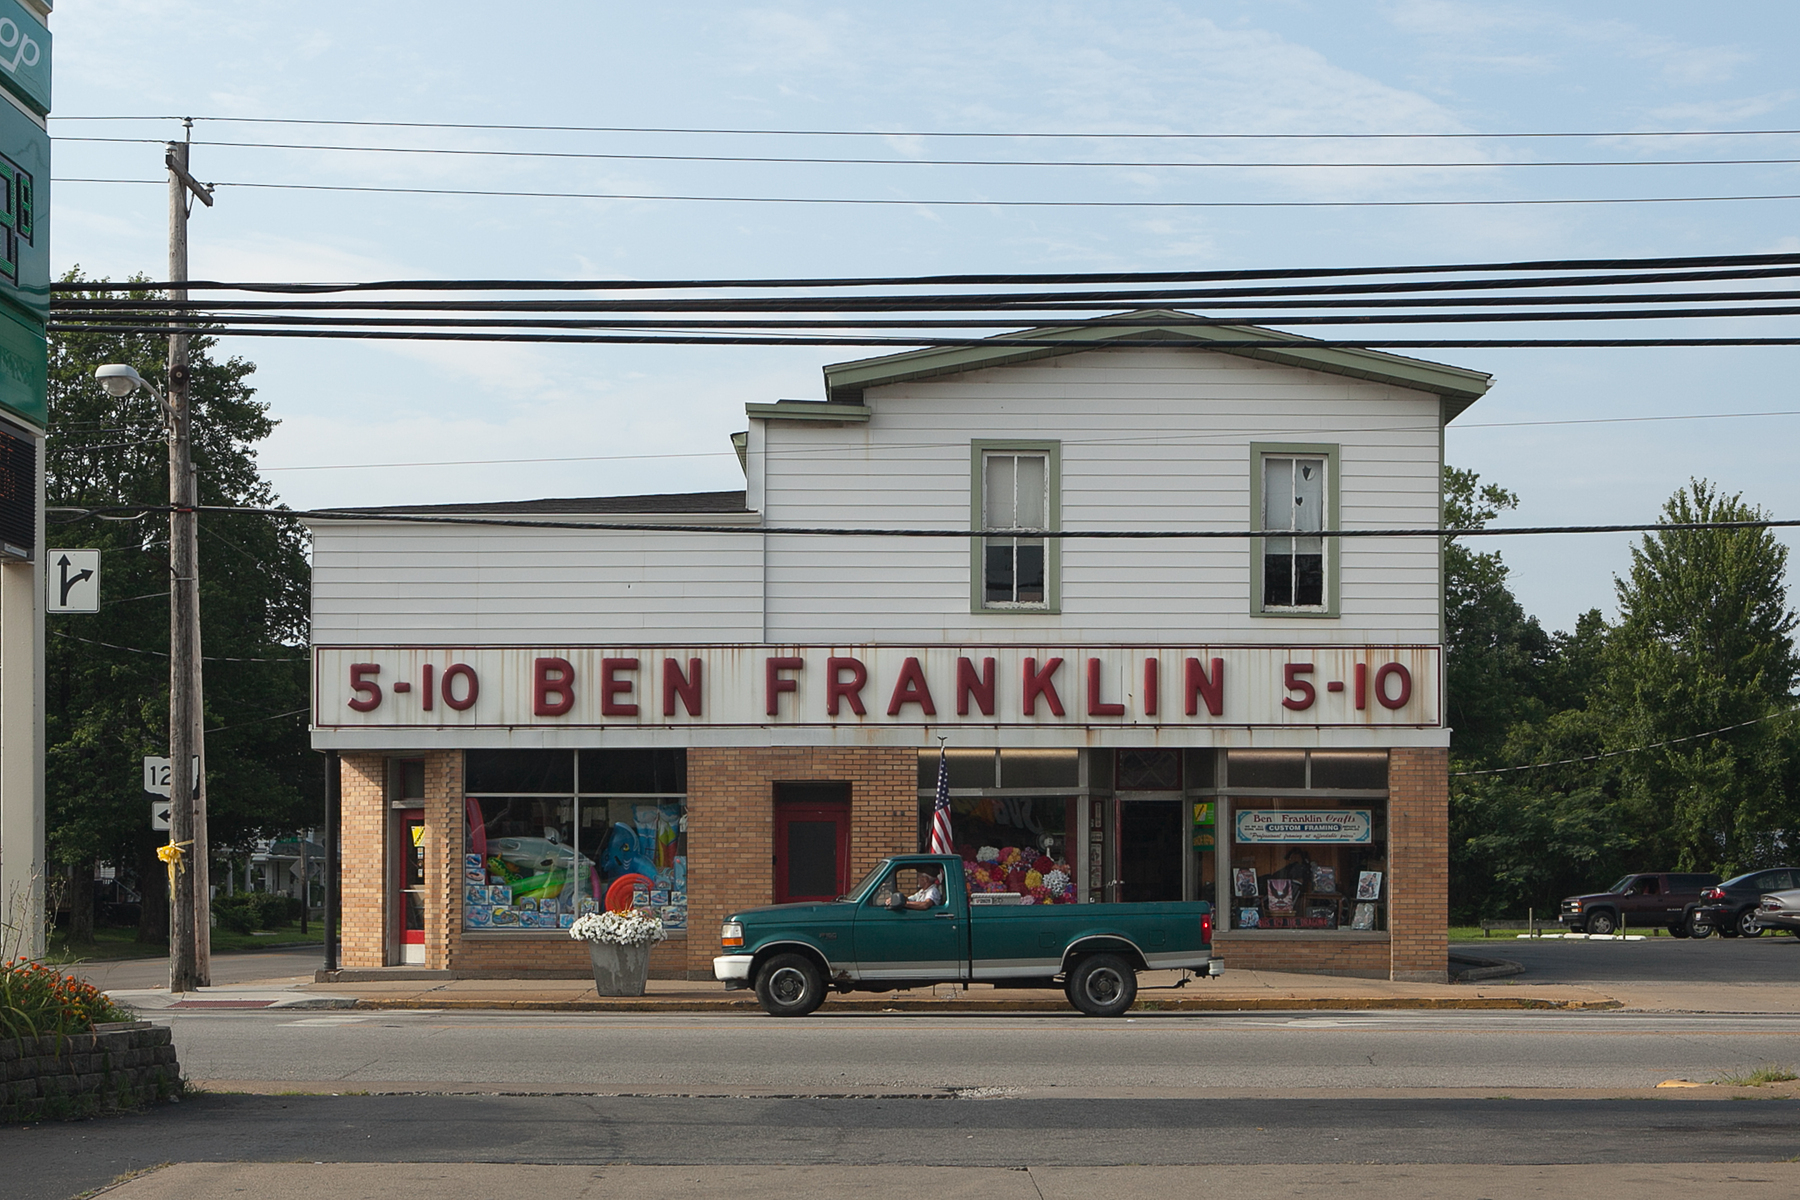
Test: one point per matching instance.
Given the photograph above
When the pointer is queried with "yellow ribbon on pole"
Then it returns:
(172, 855)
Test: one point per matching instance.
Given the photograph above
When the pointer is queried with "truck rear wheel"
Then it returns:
(789, 985)
(1103, 985)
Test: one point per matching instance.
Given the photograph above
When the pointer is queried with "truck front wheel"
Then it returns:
(789, 985)
(1103, 985)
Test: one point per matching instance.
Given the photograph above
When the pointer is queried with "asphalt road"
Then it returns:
(58, 1161)
(1054, 1054)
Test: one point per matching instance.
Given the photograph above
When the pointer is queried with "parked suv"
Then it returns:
(1731, 906)
(1640, 901)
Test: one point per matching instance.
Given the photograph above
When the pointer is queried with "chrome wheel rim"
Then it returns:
(787, 985)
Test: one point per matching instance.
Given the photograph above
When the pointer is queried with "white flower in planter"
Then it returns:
(628, 928)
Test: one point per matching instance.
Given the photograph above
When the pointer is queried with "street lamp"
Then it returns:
(190, 907)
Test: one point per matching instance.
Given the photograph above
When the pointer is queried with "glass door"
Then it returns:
(409, 890)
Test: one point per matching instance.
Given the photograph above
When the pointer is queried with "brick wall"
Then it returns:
(731, 823)
(444, 832)
(363, 857)
(1305, 956)
(1419, 864)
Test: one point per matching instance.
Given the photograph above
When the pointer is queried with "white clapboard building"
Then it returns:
(701, 701)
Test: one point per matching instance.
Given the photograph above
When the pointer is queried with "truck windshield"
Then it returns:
(1618, 889)
(866, 882)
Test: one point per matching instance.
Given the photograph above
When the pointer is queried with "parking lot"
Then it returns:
(1771, 958)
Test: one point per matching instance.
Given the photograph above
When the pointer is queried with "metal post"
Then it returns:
(191, 910)
(333, 819)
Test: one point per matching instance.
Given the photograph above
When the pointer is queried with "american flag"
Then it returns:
(940, 811)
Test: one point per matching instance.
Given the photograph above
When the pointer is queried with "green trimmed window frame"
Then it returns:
(1260, 453)
(981, 451)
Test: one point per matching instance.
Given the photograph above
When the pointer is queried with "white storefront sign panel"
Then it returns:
(876, 687)
(1341, 826)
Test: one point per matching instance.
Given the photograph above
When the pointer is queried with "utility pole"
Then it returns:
(190, 937)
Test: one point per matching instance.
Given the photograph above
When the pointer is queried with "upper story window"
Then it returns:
(1016, 488)
(1296, 501)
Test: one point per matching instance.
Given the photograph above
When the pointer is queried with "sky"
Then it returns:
(357, 419)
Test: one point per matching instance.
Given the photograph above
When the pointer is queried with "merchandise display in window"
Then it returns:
(538, 862)
(1016, 845)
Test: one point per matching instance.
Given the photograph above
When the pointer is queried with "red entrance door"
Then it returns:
(409, 886)
(812, 841)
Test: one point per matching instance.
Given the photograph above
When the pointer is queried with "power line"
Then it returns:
(1671, 268)
(1132, 164)
(1085, 135)
(1158, 438)
(69, 514)
(632, 339)
(886, 201)
(165, 653)
(1692, 737)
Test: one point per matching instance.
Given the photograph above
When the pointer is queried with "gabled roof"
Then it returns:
(1458, 386)
(673, 502)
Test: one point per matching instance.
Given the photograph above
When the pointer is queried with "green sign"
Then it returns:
(24, 369)
(25, 56)
(24, 208)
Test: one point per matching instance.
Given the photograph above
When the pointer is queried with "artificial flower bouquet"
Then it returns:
(629, 927)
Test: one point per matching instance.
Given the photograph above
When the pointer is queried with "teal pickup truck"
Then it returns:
(895, 930)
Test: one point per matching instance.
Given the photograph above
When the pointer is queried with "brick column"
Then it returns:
(444, 823)
(731, 823)
(1419, 864)
(362, 852)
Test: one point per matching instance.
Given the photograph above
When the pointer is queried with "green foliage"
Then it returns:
(107, 674)
(1705, 642)
(1628, 717)
(1495, 654)
(40, 1001)
(247, 911)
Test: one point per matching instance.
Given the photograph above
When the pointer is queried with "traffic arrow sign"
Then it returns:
(72, 581)
(159, 814)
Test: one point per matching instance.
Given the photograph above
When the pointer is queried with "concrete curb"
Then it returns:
(963, 1008)
(1479, 969)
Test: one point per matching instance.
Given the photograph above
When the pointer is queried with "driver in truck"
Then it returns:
(930, 893)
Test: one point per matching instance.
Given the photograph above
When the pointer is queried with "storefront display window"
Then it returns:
(1013, 844)
(534, 862)
(1303, 855)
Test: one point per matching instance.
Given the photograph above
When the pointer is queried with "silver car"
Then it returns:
(1780, 910)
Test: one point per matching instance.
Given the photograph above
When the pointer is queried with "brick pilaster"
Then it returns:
(363, 856)
(1419, 864)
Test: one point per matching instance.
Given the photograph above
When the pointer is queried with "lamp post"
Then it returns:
(190, 905)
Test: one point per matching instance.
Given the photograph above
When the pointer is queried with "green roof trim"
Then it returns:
(808, 410)
(1458, 386)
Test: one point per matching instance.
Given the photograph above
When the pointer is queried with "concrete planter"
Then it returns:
(125, 1065)
(619, 970)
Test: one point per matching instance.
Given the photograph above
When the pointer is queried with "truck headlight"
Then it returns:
(731, 934)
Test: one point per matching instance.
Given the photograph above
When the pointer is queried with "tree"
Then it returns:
(107, 674)
(1495, 654)
(1705, 643)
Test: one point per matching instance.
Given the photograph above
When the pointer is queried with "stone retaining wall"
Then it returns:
(123, 1066)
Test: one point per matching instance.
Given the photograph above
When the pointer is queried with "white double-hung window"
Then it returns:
(1296, 495)
(1015, 500)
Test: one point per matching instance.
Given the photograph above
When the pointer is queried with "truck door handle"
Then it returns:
(946, 916)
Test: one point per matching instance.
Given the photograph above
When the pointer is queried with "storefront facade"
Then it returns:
(703, 701)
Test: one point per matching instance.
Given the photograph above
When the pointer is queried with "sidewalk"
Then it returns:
(403, 988)
(280, 985)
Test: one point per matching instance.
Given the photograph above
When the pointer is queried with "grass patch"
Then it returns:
(117, 944)
(1760, 1077)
